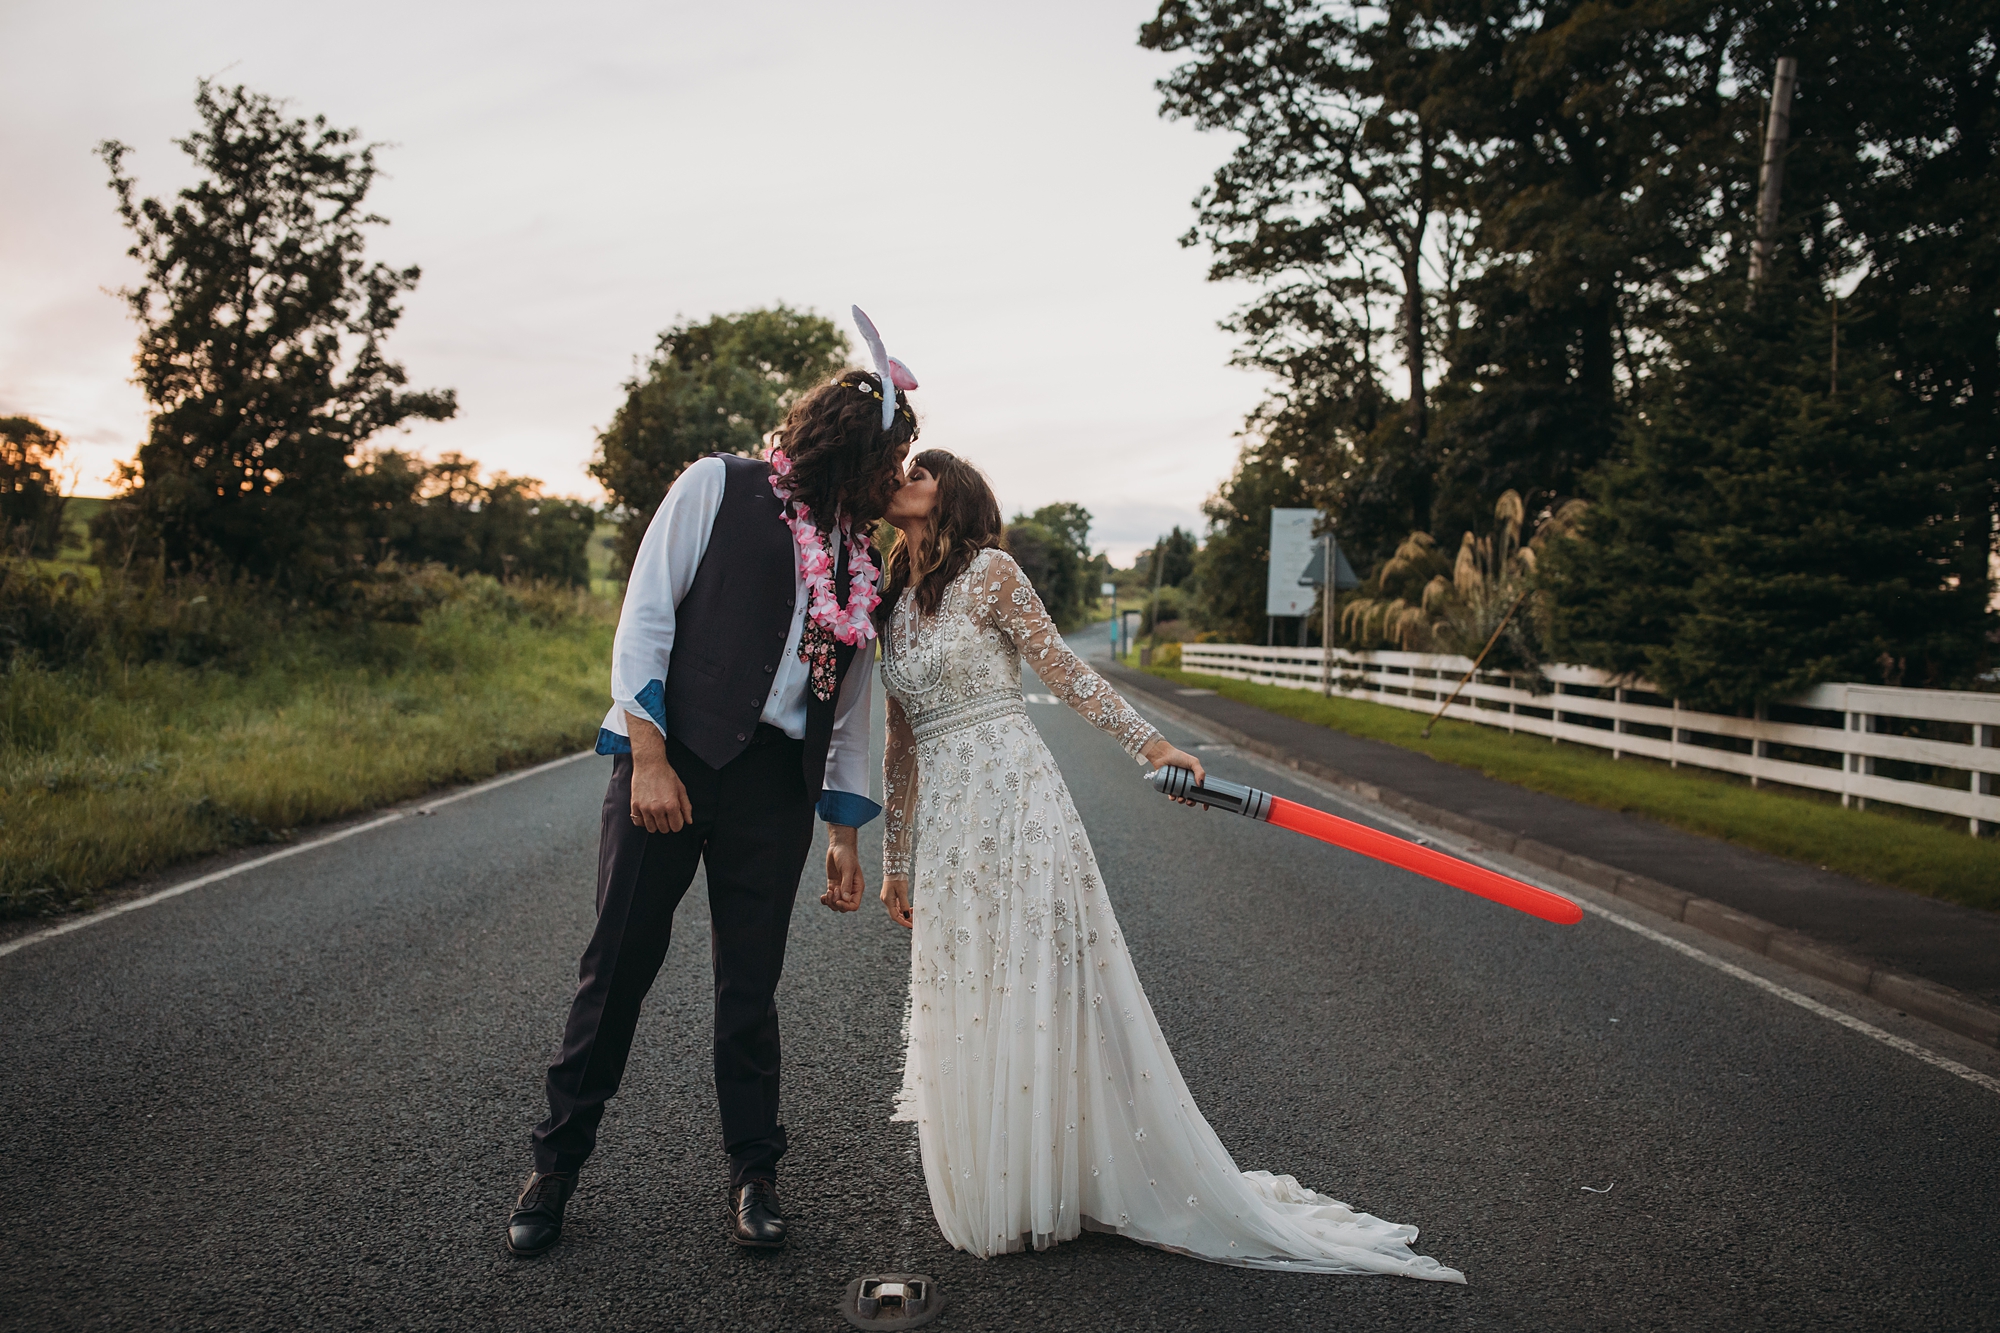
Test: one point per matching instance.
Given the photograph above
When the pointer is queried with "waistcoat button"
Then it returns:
(769, 669)
(740, 736)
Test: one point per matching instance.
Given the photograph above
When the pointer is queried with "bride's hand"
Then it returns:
(896, 897)
(1161, 753)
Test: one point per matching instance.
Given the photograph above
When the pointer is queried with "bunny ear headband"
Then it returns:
(894, 374)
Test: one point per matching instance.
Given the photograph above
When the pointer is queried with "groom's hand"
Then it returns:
(844, 886)
(659, 802)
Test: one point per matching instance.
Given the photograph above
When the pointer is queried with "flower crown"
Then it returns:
(901, 409)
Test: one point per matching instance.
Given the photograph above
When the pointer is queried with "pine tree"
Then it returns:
(1764, 531)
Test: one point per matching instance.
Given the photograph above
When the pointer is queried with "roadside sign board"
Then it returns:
(1344, 576)
(1291, 551)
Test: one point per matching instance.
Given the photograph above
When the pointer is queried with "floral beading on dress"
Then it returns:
(962, 667)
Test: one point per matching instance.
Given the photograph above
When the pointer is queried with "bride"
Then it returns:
(1045, 1097)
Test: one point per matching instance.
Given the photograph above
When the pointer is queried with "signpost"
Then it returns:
(1111, 590)
(1326, 552)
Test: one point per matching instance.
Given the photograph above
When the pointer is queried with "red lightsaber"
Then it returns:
(1261, 805)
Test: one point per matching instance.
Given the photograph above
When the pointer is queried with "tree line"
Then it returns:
(262, 355)
(1503, 249)
(262, 331)
(722, 384)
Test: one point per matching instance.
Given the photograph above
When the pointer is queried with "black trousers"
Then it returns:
(752, 826)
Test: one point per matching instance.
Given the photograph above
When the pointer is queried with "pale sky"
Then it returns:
(993, 183)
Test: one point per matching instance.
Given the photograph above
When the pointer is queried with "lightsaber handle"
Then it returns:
(1233, 797)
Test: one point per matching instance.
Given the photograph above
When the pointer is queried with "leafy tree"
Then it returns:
(31, 498)
(1070, 523)
(1496, 190)
(1177, 557)
(1764, 532)
(1338, 202)
(1052, 546)
(719, 386)
(261, 341)
(442, 513)
(1231, 569)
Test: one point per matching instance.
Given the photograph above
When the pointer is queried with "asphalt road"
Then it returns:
(299, 1098)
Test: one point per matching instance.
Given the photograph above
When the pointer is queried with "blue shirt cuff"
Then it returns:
(844, 807)
(654, 700)
(610, 742)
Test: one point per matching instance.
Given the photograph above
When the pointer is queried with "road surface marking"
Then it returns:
(203, 881)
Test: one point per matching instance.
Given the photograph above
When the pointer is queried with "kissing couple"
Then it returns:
(1045, 1097)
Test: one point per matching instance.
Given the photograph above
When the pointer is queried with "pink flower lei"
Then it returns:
(853, 624)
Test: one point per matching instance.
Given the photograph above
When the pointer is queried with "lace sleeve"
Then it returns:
(1006, 600)
(899, 792)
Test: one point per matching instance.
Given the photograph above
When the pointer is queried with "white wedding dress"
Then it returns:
(1045, 1097)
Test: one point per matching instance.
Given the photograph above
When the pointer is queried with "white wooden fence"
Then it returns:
(1935, 750)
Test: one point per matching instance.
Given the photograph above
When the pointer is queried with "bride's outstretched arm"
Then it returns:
(1009, 601)
(899, 802)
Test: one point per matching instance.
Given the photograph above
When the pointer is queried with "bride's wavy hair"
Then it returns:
(843, 463)
(965, 522)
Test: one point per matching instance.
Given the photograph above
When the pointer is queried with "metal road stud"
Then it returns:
(891, 1301)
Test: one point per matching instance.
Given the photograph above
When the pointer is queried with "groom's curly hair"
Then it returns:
(844, 464)
(965, 522)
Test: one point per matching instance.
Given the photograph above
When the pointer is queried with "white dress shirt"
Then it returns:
(642, 653)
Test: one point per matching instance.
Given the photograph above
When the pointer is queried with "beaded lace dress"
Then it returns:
(1045, 1097)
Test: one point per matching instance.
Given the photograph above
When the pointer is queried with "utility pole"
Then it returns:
(1159, 563)
(1326, 618)
(1771, 176)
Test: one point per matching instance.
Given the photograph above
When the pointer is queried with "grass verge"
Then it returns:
(109, 772)
(1903, 853)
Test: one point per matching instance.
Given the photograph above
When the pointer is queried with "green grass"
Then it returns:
(1889, 849)
(603, 540)
(107, 773)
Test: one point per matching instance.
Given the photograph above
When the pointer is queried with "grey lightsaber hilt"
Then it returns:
(1233, 797)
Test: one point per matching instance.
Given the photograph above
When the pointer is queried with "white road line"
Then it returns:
(203, 881)
(1806, 1002)
(501, 781)
(1785, 993)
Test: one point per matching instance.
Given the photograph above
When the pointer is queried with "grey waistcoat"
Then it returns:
(730, 629)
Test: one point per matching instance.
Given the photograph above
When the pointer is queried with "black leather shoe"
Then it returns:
(758, 1224)
(538, 1214)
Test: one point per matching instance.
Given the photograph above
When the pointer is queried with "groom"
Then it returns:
(739, 708)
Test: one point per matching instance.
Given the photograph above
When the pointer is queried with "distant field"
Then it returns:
(601, 543)
(78, 510)
(1876, 845)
